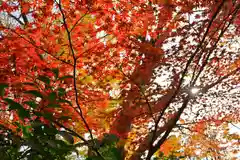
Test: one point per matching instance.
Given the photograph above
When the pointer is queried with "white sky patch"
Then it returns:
(234, 128)
(148, 37)
(101, 34)
(11, 117)
(115, 93)
(235, 90)
(38, 99)
(194, 90)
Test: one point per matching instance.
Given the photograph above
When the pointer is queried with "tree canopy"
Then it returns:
(126, 79)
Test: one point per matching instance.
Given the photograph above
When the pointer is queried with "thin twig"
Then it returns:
(152, 149)
(75, 75)
(215, 44)
(75, 24)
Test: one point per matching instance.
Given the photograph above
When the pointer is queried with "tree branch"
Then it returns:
(75, 74)
(152, 149)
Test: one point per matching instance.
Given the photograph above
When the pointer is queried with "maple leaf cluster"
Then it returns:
(158, 75)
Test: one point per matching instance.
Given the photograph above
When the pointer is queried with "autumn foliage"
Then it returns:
(160, 77)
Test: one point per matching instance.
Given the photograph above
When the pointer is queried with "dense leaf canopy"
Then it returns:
(126, 79)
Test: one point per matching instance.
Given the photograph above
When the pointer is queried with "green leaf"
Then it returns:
(34, 146)
(48, 116)
(31, 104)
(17, 124)
(110, 138)
(23, 113)
(94, 158)
(65, 77)
(26, 132)
(36, 124)
(2, 88)
(52, 96)
(28, 83)
(50, 130)
(44, 79)
(67, 136)
(34, 92)
(61, 91)
(56, 72)
(39, 114)
(64, 118)
(52, 143)
(54, 106)
(65, 101)
(13, 105)
(96, 143)
(116, 153)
